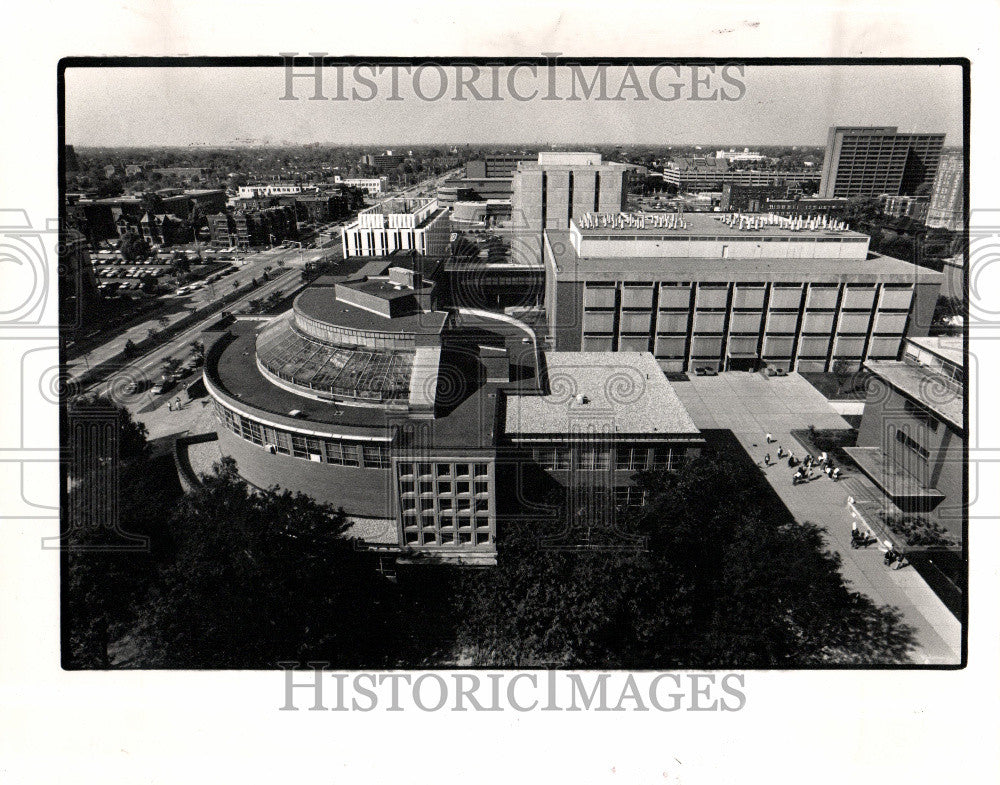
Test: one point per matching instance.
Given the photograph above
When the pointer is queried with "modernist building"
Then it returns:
(550, 193)
(912, 434)
(948, 193)
(496, 165)
(268, 189)
(868, 161)
(914, 207)
(416, 225)
(340, 398)
(373, 186)
(602, 418)
(366, 396)
(731, 292)
(712, 174)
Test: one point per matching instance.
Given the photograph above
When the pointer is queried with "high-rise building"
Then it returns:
(874, 160)
(948, 193)
(556, 189)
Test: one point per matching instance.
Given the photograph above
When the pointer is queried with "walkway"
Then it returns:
(751, 406)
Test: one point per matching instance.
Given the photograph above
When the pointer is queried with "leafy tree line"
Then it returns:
(241, 578)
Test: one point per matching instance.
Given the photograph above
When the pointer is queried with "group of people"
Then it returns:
(805, 470)
(891, 558)
(175, 405)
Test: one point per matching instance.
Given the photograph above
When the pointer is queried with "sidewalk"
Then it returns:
(751, 406)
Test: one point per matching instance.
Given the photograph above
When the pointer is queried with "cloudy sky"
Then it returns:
(758, 105)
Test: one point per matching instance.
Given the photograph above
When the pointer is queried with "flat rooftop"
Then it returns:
(626, 389)
(399, 206)
(319, 302)
(921, 384)
(571, 268)
(466, 421)
(946, 347)
(707, 225)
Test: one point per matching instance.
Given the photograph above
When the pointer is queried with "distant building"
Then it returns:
(873, 160)
(712, 174)
(383, 163)
(373, 186)
(162, 229)
(739, 155)
(914, 207)
(417, 225)
(912, 434)
(946, 209)
(555, 189)
(731, 292)
(496, 165)
(222, 230)
(268, 189)
(750, 198)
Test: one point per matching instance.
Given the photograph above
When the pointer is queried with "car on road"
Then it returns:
(162, 386)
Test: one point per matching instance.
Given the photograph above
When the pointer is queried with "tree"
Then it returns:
(134, 248)
(259, 576)
(726, 580)
(105, 574)
(169, 365)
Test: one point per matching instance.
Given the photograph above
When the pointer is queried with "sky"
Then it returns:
(758, 105)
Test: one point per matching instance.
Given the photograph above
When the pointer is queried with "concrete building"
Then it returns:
(373, 186)
(554, 190)
(946, 209)
(603, 418)
(268, 189)
(731, 292)
(914, 207)
(873, 160)
(367, 396)
(712, 174)
(912, 433)
(739, 155)
(398, 225)
(496, 165)
(750, 198)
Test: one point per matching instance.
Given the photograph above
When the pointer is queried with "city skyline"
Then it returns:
(777, 105)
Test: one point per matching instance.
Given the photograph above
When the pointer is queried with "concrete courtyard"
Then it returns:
(751, 406)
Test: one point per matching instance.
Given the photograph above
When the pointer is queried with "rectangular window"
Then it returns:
(299, 446)
(352, 456)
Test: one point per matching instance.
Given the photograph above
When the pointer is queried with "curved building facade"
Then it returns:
(339, 398)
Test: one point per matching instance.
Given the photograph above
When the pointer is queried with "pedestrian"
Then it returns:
(767, 459)
(769, 438)
(781, 452)
(823, 457)
(170, 406)
(835, 474)
(177, 402)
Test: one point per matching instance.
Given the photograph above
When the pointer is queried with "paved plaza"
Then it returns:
(751, 406)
